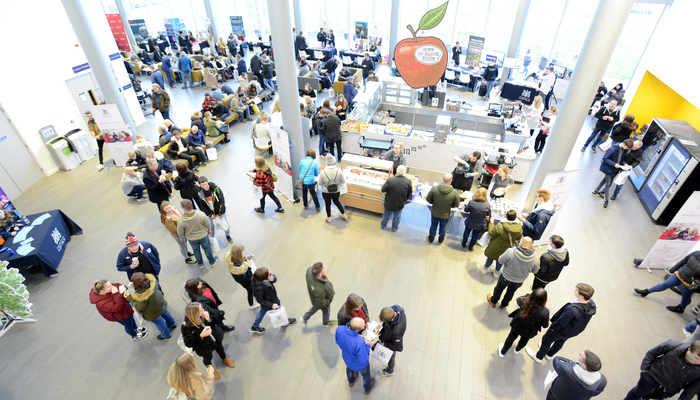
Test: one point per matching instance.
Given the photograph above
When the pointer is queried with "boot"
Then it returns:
(216, 374)
(344, 216)
(642, 292)
(229, 362)
(676, 309)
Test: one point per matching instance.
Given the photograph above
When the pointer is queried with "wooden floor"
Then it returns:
(71, 352)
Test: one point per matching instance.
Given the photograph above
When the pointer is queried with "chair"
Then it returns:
(465, 79)
(450, 76)
(319, 55)
(347, 61)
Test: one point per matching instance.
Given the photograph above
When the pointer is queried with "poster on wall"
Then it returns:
(138, 28)
(559, 185)
(680, 237)
(170, 32)
(375, 29)
(237, 25)
(117, 27)
(360, 30)
(283, 162)
(474, 49)
(115, 132)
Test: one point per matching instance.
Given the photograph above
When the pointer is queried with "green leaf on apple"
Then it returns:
(432, 18)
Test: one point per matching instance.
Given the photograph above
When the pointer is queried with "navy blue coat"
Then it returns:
(611, 157)
(124, 259)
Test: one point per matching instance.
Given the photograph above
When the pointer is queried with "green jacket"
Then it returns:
(150, 301)
(500, 242)
(443, 198)
(320, 290)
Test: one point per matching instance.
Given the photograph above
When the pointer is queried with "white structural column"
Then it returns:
(125, 22)
(210, 14)
(298, 22)
(605, 29)
(394, 29)
(556, 35)
(280, 14)
(100, 64)
(516, 35)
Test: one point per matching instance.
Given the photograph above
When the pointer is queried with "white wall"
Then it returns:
(672, 54)
(33, 92)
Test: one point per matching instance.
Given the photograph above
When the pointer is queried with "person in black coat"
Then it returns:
(256, 66)
(599, 94)
(157, 187)
(187, 183)
(666, 370)
(213, 204)
(199, 291)
(398, 190)
(607, 117)
(334, 138)
(393, 328)
(527, 322)
(200, 323)
(180, 148)
(456, 52)
(322, 38)
(367, 66)
(479, 214)
(613, 161)
(633, 158)
(577, 380)
(685, 270)
(301, 43)
(552, 262)
(266, 295)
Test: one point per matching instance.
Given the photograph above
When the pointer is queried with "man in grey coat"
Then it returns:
(132, 184)
(398, 190)
(195, 227)
(321, 293)
(517, 262)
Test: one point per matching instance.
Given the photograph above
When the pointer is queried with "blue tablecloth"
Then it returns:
(473, 75)
(328, 52)
(516, 92)
(50, 240)
(353, 54)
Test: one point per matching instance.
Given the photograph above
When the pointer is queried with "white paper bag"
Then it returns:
(549, 379)
(621, 177)
(278, 317)
(485, 239)
(220, 224)
(138, 318)
(181, 343)
(252, 266)
(343, 188)
(214, 244)
(606, 144)
(257, 192)
(212, 155)
(382, 354)
(331, 93)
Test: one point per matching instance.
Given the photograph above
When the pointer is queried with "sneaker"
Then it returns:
(548, 357)
(258, 330)
(532, 354)
(516, 351)
(583, 149)
(605, 204)
(483, 270)
(500, 350)
(593, 149)
(598, 194)
(279, 210)
(687, 334)
(385, 373)
(292, 321)
(428, 239)
(141, 199)
(216, 260)
(331, 323)
(488, 298)
(190, 254)
(254, 306)
(190, 260)
(159, 337)
(495, 274)
(201, 266)
(140, 335)
(141, 329)
(230, 240)
(100, 166)
(259, 210)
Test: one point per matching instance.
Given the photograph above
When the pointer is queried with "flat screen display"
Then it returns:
(665, 173)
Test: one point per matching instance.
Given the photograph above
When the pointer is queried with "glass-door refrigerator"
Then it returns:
(673, 178)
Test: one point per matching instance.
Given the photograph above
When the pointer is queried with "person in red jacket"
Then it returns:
(264, 179)
(112, 305)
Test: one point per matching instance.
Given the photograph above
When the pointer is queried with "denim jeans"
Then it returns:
(187, 76)
(488, 263)
(163, 322)
(489, 87)
(325, 312)
(395, 221)
(606, 181)
(273, 197)
(169, 74)
(366, 377)
(434, 222)
(672, 281)
(204, 242)
(137, 191)
(259, 318)
(310, 188)
(508, 286)
(597, 135)
(165, 114)
(322, 144)
(691, 326)
(129, 325)
(475, 236)
(183, 246)
(618, 188)
(647, 388)
(269, 84)
(552, 342)
(213, 228)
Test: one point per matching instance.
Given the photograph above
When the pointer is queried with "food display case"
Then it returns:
(396, 91)
(366, 103)
(364, 177)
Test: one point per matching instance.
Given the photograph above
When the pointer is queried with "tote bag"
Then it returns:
(214, 244)
(485, 240)
(382, 354)
(220, 224)
(278, 317)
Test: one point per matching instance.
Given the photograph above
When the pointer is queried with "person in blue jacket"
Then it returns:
(355, 352)
(167, 67)
(536, 222)
(138, 257)
(184, 64)
(198, 142)
(308, 169)
(241, 67)
(577, 380)
(613, 161)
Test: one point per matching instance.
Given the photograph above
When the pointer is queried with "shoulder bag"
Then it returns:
(332, 187)
(300, 181)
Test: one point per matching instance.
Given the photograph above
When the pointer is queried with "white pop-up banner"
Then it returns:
(559, 185)
(679, 239)
(283, 161)
(115, 132)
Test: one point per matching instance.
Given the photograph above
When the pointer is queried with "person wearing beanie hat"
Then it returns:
(330, 180)
(138, 256)
(536, 222)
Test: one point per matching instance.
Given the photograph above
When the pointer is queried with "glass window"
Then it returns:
(446, 27)
(577, 20)
(337, 12)
(249, 12)
(182, 9)
(223, 10)
(382, 12)
(109, 6)
(471, 16)
(411, 16)
(538, 37)
(311, 13)
(159, 10)
(265, 21)
(500, 25)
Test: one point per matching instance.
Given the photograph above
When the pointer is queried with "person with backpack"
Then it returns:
(536, 222)
(187, 183)
(330, 180)
(212, 203)
(503, 236)
(266, 180)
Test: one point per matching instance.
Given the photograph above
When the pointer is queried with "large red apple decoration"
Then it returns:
(421, 61)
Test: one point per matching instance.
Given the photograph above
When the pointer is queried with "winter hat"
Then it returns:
(330, 160)
(131, 239)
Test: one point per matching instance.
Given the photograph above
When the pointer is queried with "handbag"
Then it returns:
(214, 244)
(278, 317)
(256, 109)
(300, 181)
(485, 239)
(221, 224)
(381, 353)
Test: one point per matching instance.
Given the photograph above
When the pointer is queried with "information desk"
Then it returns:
(328, 52)
(519, 92)
(49, 240)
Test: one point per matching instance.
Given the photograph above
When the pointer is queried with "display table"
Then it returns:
(353, 54)
(328, 52)
(519, 92)
(49, 242)
(365, 194)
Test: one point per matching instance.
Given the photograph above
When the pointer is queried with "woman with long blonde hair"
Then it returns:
(534, 114)
(341, 107)
(240, 267)
(169, 217)
(186, 377)
(201, 332)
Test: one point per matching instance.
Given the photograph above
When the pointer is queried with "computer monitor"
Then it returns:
(495, 107)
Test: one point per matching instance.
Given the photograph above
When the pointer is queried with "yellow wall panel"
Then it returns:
(654, 99)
